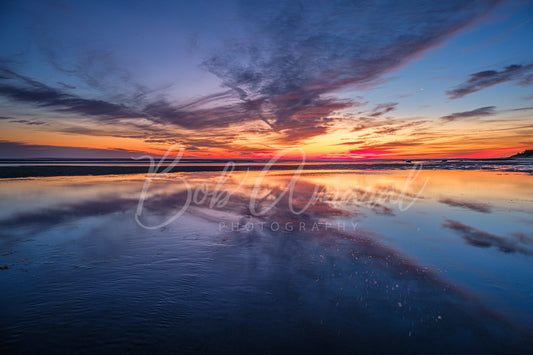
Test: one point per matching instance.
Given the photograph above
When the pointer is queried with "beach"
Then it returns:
(14, 168)
(440, 262)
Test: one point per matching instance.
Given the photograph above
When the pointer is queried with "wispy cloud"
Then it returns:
(383, 109)
(16, 150)
(298, 53)
(31, 123)
(23, 89)
(383, 149)
(478, 112)
(350, 143)
(488, 78)
(519, 109)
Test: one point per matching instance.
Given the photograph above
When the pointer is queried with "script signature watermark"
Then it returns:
(217, 197)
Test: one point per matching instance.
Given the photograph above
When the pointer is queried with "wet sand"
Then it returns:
(83, 276)
(509, 165)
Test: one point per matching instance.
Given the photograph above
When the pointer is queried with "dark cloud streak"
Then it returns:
(30, 91)
(15, 150)
(484, 79)
(478, 112)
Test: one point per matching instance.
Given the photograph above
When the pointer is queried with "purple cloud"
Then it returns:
(283, 70)
(488, 78)
(297, 53)
(478, 112)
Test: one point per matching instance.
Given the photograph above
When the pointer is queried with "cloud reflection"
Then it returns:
(471, 205)
(479, 238)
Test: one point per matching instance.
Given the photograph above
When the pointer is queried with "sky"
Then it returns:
(246, 79)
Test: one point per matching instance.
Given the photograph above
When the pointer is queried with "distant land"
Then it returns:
(525, 154)
(42, 168)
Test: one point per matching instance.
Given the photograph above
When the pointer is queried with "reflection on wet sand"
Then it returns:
(474, 206)
(84, 274)
(517, 242)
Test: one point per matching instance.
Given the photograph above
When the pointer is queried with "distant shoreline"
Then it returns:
(528, 153)
(508, 165)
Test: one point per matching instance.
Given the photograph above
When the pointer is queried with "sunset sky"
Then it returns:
(244, 79)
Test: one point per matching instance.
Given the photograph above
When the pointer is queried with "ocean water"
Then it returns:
(336, 261)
